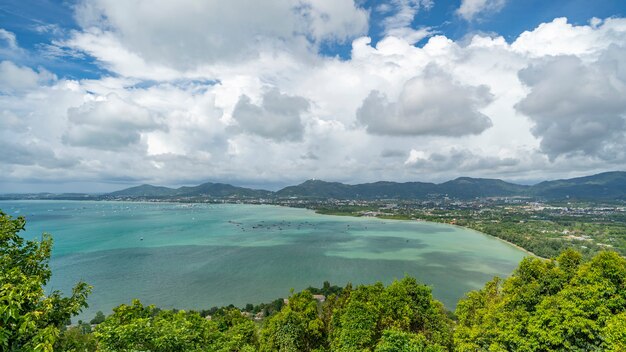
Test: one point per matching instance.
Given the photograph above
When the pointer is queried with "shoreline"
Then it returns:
(443, 223)
(498, 238)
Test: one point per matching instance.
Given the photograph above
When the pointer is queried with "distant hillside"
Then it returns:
(604, 185)
(609, 185)
(317, 189)
(463, 187)
(221, 190)
(467, 187)
(214, 190)
(144, 191)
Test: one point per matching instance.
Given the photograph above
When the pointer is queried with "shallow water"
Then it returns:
(194, 256)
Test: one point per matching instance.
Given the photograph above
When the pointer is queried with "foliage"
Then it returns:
(326, 289)
(362, 316)
(135, 327)
(400, 341)
(99, 318)
(77, 339)
(297, 327)
(560, 305)
(30, 320)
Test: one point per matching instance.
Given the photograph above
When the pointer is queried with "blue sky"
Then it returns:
(98, 95)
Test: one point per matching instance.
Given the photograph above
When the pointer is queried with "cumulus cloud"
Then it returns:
(14, 78)
(559, 37)
(173, 113)
(576, 107)
(459, 160)
(206, 32)
(471, 9)
(430, 104)
(278, 117)
(31, 153)
(108, 124)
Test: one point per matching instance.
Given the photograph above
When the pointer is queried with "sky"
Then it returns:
(99, 95)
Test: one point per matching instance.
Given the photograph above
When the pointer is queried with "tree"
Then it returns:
(137, 327)
(77, 339)
(99, 318)
(297, 327)
(362, 317)
(400, 341)
(30, 320)
(559, 305)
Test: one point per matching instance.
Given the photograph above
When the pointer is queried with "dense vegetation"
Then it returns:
(561, 305)
(30, 320)
(567, 304)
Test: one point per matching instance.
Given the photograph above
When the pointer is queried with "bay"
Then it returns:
(195, 256)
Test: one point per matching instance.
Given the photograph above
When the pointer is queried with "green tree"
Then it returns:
(30, 320)
(145, 328)
(297, 327)
(99, 318)
(400, 341)
(77, 339)
(362, 316)
(560, 305)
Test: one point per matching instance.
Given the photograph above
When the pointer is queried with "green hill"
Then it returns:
(604, 185)
(608, 185)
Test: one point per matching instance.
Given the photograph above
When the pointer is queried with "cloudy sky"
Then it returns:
(101, 94)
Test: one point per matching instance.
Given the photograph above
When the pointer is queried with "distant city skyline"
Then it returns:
(99, 95)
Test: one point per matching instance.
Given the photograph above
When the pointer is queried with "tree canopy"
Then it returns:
(30, 320)
(560, 305)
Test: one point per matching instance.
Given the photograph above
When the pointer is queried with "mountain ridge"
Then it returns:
(607, 185)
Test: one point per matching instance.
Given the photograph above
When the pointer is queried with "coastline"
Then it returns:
(445, 223)
(499, 239)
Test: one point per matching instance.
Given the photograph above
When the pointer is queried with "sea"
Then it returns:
(196, 256)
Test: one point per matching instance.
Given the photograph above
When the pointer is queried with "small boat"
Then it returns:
(141, 239)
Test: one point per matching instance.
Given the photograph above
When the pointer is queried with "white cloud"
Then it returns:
(278, 117)
(577, 107)
(459, 160)
(400, 23)
(14, 78)
(208, 32)
(562, 38)
(211, 116)
(430, 104)
(10, 42)
(471, 9)
(109, 124)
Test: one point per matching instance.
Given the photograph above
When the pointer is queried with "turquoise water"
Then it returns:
(194, 256)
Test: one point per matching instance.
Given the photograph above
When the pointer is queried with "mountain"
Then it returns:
(467, 187)
(317, 189)
(144, 191)
(376, 190)
(604, 185)
(463, 187)
(221, 190)
(608, 185)
(214, 190)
